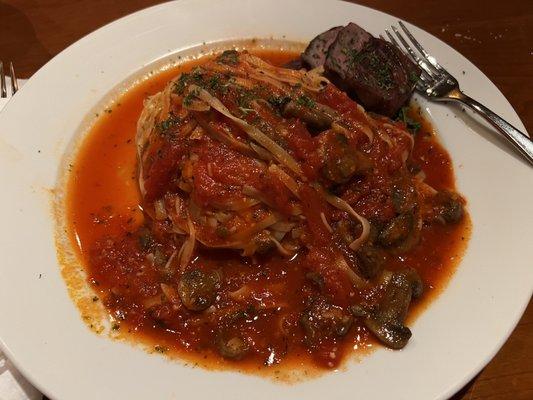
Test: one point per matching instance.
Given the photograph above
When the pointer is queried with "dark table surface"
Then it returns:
(495, 35)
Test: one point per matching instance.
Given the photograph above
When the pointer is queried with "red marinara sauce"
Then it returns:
(104, 203)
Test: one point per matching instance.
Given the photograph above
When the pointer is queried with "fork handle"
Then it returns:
(518, 139)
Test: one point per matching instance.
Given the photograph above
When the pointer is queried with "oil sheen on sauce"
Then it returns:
(103, 201)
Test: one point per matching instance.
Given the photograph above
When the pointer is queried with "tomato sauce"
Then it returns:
(104, 203)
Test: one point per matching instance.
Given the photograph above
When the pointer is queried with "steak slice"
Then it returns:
(372, 70)
(349, 40)
(317, 50)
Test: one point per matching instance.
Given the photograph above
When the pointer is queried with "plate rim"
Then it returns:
(91, 36)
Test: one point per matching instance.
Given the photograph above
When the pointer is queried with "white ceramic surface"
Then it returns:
(13, 386)
(40, 328)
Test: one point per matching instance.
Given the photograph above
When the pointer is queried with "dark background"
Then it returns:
(496, 35)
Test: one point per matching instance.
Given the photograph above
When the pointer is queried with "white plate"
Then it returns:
(40, 328)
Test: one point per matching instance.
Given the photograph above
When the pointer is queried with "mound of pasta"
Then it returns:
(280, 218)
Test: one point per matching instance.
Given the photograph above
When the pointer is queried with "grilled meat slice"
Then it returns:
(371, 70)
(317, 50)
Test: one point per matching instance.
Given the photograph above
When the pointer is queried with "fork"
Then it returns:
(14, 83)
(437, 84)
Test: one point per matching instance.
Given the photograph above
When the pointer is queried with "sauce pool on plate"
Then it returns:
(260, 318)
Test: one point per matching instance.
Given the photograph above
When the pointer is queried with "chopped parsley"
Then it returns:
(411, 124)
(196, 76)
(179, 86)
(214, 82)
(218, 83)
(245, 97)
(380, 68)
(187, 100)
(171, 121)
(278, 102)
(306, 101)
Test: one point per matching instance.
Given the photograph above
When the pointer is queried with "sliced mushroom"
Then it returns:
(198, 289)
(371, 260)
(342, 161)
(347, 229)
(387, 321)
(448, 206)
(323, 320)
(233, 348)
(315, 116)
(401, 233)
(404, 198)
(397, 230)
(263, 242)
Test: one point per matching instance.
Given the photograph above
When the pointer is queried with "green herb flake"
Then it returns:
(197, 74)
(412, 125)
(278, 102)
(187, 100)
(165, 125)
(179, 86)
(381, 69)
(214, 82)
(245, 97)
(306, 101)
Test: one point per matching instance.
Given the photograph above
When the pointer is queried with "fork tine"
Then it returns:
(14, 83)
(424, 65)
(3, 89)
(391, 38)
(419, 47)
(426, 79)
(424, 74)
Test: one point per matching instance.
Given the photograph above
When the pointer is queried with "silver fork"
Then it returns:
(14, 83)
(438, 84)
